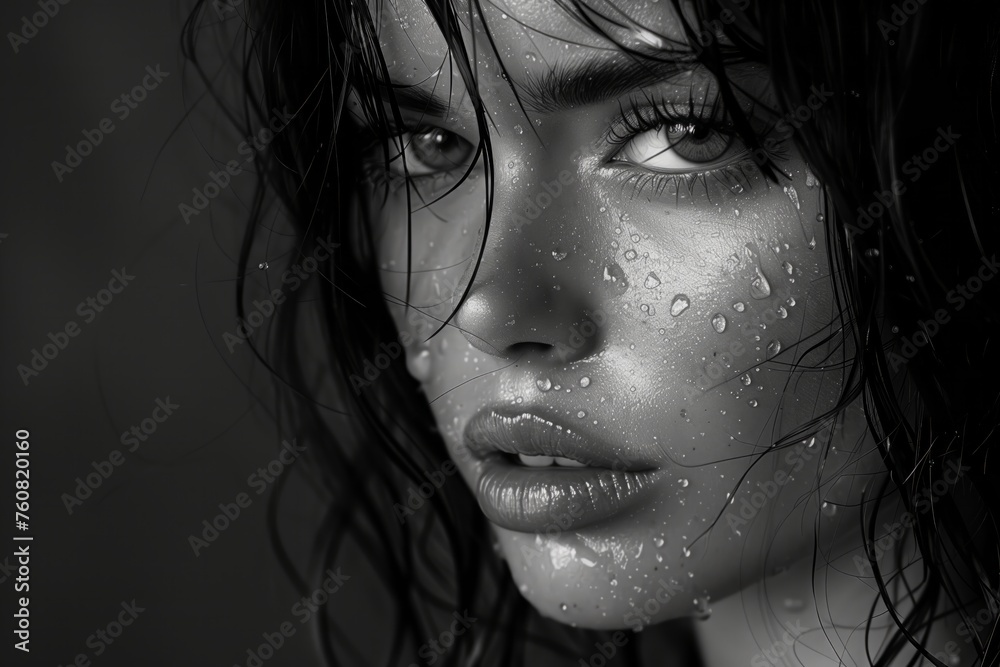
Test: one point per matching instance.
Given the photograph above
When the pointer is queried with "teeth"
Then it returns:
(535, 461)
(543, 461)
(569, 463)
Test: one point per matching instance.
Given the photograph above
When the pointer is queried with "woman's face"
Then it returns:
(649, 315)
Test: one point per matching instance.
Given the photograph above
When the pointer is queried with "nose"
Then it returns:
(530, 296)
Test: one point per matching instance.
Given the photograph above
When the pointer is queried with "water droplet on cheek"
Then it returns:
(419, 365)
(680, 303)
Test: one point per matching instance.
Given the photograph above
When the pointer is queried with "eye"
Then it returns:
(679, 148)
(430, 151)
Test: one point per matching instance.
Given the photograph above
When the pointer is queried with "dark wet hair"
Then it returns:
(903, 234)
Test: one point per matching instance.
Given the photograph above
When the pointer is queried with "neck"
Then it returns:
(816, 617)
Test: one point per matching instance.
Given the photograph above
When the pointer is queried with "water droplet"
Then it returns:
(752, 402)
(684, 413)
(652, 281)
(719, 322)
(687, 554)
(581, 414)
(812, 243)
(791, 301)
(647, 308)
(585, 381)
(684, 483)
(558, 255)
(419, 365)
(659, 558)
(811, 180)
(759, 287)
(519, 129)
(872, 252)
(658, 541)
(563, 607)
(820, 218)
(828, 509)
(263, 266)
(787, 266)
(746, 379)
(544, 384)
(811, 443)
(531, 56)
(679, 304)
(782, 312)
(631, 254)
(895, 329)
(510, 165)
(793, 195)
(739, 307)
(736, 211)
(614, 580)
(773, 348)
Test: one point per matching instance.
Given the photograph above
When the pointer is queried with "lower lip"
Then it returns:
(532, 500)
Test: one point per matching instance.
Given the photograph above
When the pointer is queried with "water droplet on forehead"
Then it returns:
(719, 322)
(680, 303)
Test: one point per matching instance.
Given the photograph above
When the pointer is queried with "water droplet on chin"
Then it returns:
(719, 322)
(679, 304)
(652, 281)
(544, 384)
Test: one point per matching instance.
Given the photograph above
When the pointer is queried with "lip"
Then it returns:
(531, 500)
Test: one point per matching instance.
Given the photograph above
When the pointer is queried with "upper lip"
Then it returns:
(491, 431)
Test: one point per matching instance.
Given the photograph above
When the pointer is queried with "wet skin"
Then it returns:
(660, 302)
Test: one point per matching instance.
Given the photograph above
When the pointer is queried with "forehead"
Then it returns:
(530, 36)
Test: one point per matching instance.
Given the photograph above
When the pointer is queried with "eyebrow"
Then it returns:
(563, 86)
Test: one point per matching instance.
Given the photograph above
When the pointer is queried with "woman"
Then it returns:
(696, 299)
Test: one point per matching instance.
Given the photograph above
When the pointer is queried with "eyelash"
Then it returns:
(631, 123)
(656, 114)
